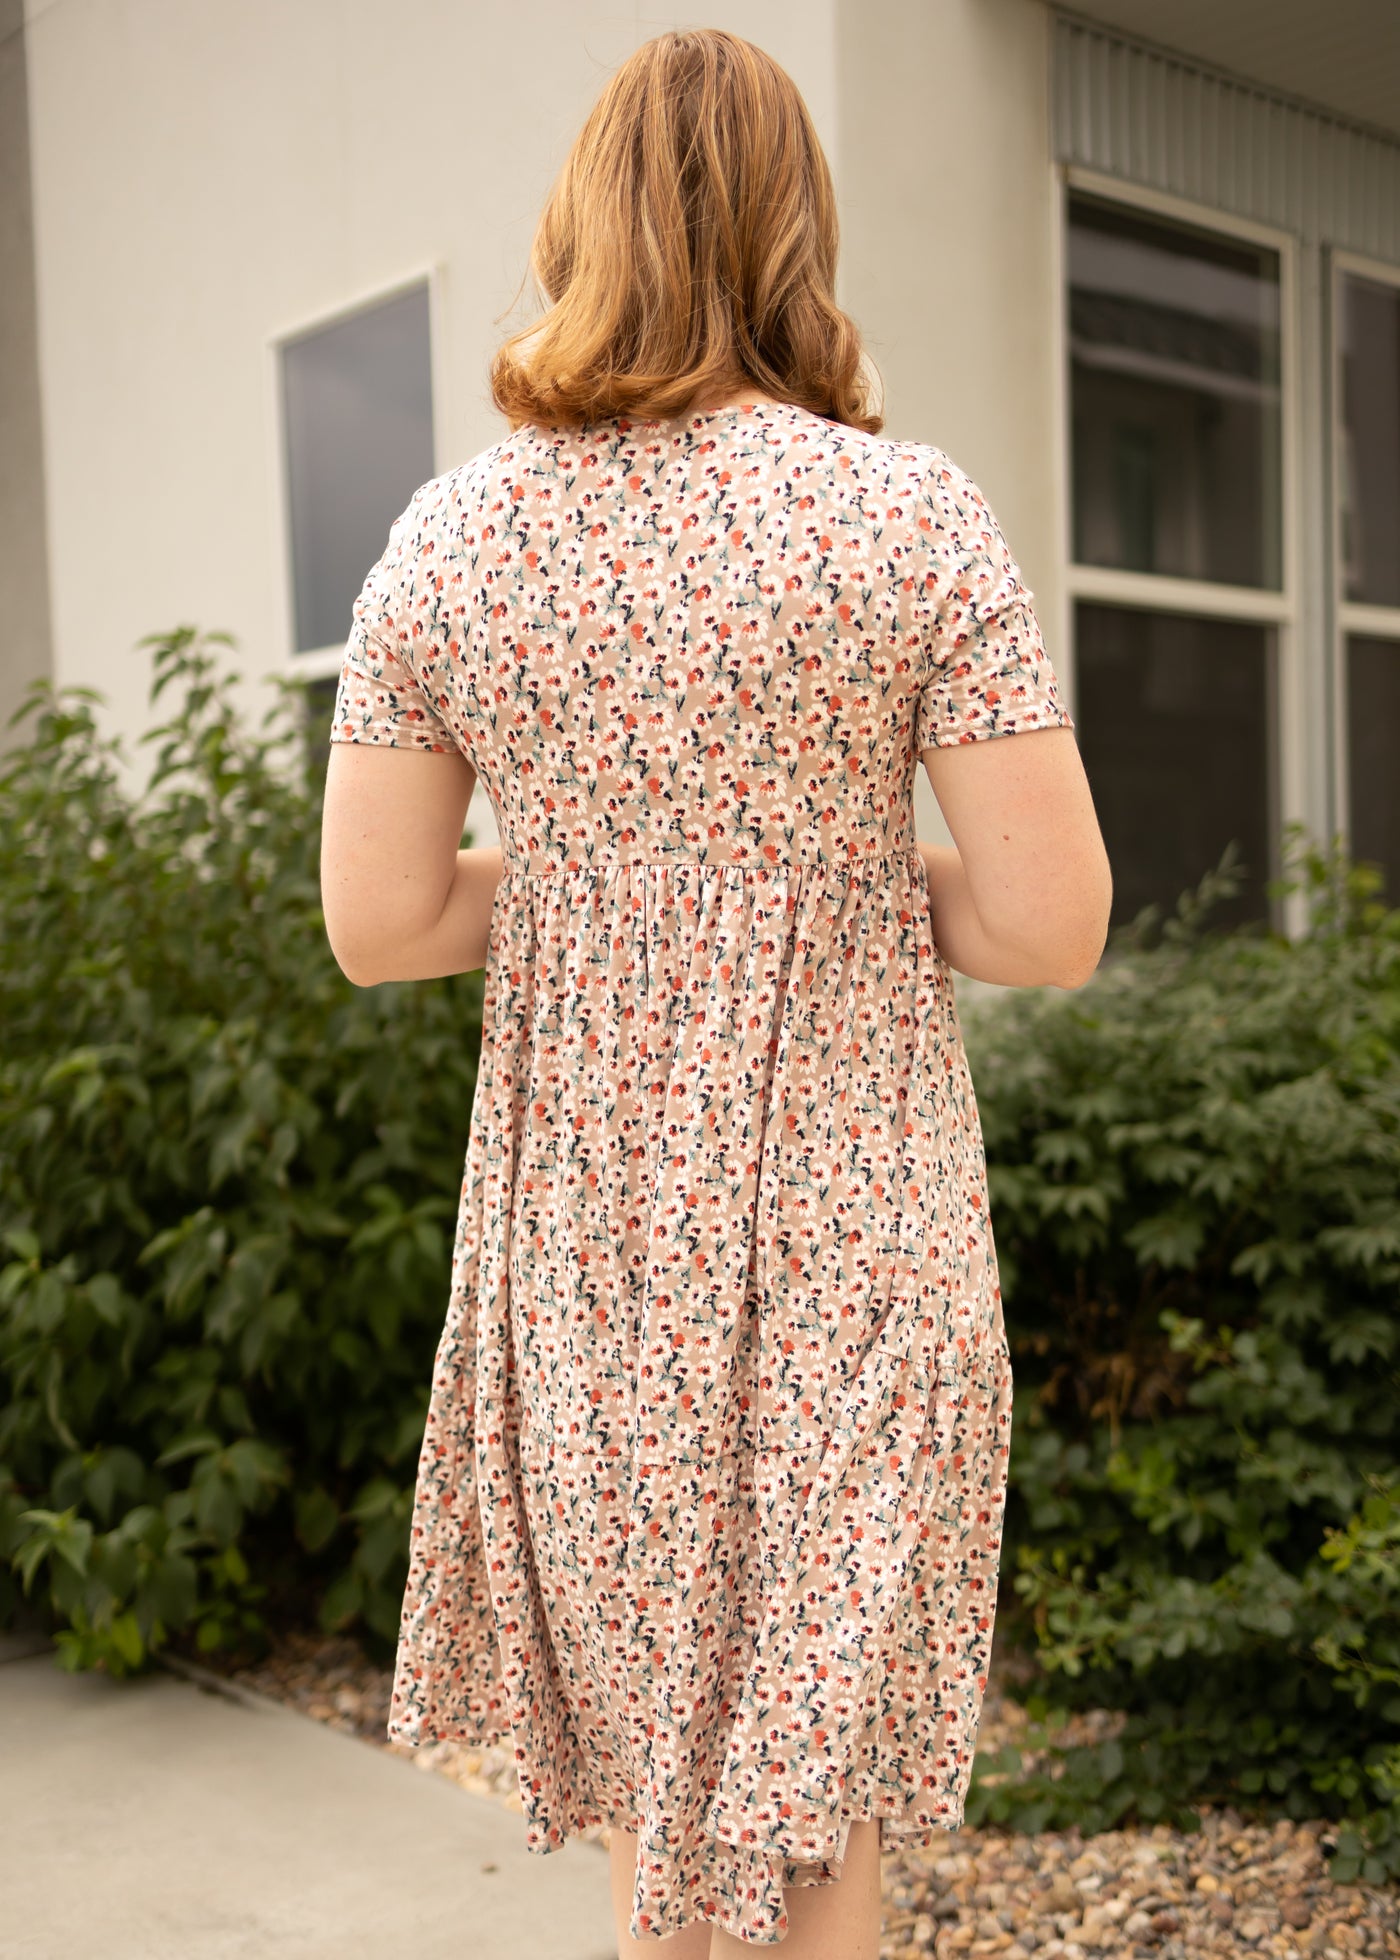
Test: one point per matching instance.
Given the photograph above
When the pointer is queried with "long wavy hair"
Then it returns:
(688, 247)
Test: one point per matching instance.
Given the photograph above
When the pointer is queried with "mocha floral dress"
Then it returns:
(709, 1504)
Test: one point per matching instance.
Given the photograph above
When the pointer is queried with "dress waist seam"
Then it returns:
(514, 868)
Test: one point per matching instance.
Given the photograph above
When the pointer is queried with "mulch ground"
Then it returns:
(1232, 1888)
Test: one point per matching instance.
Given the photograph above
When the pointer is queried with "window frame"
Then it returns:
(316, 663)
(1350, 617)
(1278, 608)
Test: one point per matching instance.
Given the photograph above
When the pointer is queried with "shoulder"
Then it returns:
(940, 482)
(463, 486)
(953, 513)
(922, 473)
(843, 449)
(449, 508)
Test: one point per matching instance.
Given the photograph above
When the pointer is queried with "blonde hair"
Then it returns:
(688, 245)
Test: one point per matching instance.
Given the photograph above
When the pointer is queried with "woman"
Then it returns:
(708, 1507)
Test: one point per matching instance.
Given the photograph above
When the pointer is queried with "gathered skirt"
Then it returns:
(708, 1511)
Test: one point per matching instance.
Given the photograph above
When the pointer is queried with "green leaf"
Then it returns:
(197, 1442)
(127, 1639)
(342, 1602)
(317, 1516)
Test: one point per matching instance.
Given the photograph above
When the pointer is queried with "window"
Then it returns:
(1369, 472)
(1181, 710)
(1373, 735)
(317, 713)
(1368, 546)
(1174, 358)
(1175, 424)
(357, 409)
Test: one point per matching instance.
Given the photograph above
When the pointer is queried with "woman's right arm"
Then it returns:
(1023, 898)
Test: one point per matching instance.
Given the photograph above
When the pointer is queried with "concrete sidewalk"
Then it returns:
(156, 1820)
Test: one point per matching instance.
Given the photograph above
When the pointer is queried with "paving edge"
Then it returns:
(220, 1684)
(254, 1698)
(31, 1646)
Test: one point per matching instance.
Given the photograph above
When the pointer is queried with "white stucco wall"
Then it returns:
(206, 178)
(946, 190)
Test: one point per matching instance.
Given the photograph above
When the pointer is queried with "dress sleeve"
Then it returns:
(985, 668)
(381, 698)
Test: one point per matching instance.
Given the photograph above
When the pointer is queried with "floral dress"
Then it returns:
(709, 1503)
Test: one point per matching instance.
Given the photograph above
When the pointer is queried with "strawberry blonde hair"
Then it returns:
(688, 245)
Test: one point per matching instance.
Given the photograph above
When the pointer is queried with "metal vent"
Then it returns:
(1153, 118)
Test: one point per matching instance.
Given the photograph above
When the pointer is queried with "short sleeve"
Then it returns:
(381, 698)
(985, 669)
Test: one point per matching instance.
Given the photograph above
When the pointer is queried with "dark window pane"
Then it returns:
(1373, 730)
(1174, 389)
(358, 406)
(1175, 717)
(318, 709)
(1370, 461)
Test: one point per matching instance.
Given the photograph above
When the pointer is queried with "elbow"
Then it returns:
(359, 970)
(358, 959)
(1079, 959)
(361, 976)
(1039, 965)
(352, 948)
(1075, 973)
(1068, 942)
(368, 940)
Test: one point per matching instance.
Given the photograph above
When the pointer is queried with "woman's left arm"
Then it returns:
(402, 900)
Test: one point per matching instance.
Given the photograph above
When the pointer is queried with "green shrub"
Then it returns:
(228, 1182)
(1195, 1183)
(227, 1186)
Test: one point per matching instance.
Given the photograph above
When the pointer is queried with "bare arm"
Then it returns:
(401, 900)
(1023, 896)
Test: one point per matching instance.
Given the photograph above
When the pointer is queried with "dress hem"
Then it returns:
(896, 1834)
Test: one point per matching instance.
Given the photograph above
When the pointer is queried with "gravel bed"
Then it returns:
(1233, 1888)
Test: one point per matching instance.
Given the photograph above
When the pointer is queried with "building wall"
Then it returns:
(946, 192)
(946, 189)
(25, 646)
(208, 178)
